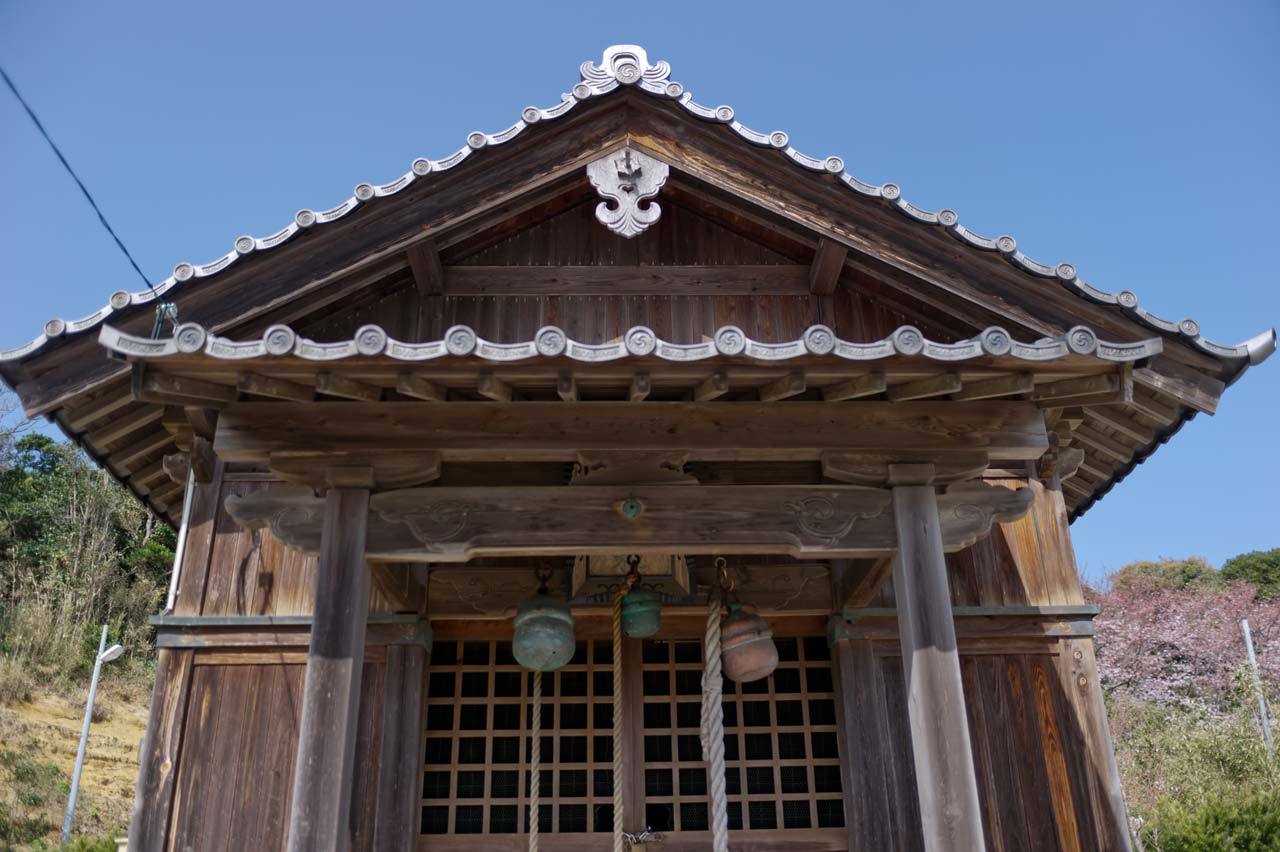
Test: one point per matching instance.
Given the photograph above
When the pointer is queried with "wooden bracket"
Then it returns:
(324, 469)
(879, 469)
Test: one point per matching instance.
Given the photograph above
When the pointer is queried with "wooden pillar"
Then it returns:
(399, 759)
(950, 814)
(634, 817)
(322, 777)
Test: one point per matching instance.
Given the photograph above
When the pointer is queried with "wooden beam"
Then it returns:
(143, 446)
(457, 523)
(1011, 385)
(939, 385)
(714, 386)
(868, 385)
(557, 431)
(1144, 435)
(828, 263)
(324, 768)
(420, 388)
(278, 388)
(1103, 444)
(566, 386)
(494, 388)
(424, 261)
(147, 473)
(1155, 409)
(125, 424)
(640, 387)
(859, 587)
(790, 385)
(150, 386)
(649, 280)
(1096, 472)
(334, 384)
(946, 782)
(76, 419)
(1101, 385)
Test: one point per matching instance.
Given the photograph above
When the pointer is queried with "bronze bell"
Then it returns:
(641, 613)
(543, 639)
(746, 647)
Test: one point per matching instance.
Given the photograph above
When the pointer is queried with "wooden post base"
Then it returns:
(320, 814)
(950, 813)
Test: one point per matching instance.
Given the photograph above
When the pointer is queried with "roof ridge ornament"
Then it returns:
(626, 64)
(629, 179)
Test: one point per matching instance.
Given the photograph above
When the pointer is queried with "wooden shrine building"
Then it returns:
(625, 344)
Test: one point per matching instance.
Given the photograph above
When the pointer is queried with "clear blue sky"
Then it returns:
(1138, 140)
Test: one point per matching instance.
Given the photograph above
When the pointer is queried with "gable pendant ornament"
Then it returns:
(628, 180)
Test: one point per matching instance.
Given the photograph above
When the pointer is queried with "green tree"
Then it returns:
(1190, 573)
(1259, 568)
(76, 551)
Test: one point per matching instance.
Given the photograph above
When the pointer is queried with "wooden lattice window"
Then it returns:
(475, 775)
(782, 760)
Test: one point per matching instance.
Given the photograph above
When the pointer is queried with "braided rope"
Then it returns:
(620, 843)
(712, 733)
(535, 761)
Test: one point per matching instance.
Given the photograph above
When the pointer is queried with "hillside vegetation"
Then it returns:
(77, 552)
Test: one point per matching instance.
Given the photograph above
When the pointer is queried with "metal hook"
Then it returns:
(544, 572)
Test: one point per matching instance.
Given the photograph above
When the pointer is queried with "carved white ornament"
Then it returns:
(629, 180)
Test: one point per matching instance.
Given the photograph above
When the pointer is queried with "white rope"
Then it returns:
(619, 838)
(712, 734)
(535, 761)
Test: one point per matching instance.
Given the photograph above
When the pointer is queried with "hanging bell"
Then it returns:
(746, 647)
(544, 633)
(641, 613)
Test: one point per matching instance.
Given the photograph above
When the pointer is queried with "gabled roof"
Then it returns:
(922, 266)
(628, 66)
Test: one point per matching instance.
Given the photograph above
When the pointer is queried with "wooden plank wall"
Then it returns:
(229, 760)
(227, 570)
(574, 238)
(1041, 745)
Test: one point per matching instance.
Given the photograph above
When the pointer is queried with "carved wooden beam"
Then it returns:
(557, 431)
(449, 524)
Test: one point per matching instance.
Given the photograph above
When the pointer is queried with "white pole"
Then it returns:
(180, 546)
(1264, 715)
(84, 739)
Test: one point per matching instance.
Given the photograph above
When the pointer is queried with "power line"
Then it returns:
(88, 197)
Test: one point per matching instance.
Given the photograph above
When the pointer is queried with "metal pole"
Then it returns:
(1264, 715)
(84, 739)
(180, 547)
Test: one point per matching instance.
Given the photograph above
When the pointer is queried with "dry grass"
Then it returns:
(38, 740)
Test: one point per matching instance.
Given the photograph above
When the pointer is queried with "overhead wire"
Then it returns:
(31, 113)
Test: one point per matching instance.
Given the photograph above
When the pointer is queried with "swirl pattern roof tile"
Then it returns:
(639, 341)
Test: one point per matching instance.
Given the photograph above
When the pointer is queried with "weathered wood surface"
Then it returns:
(158, 761)
(399, 766)
(728, 280)
(448, 524)
(940, 740)
(537, 431)
(324, 767)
